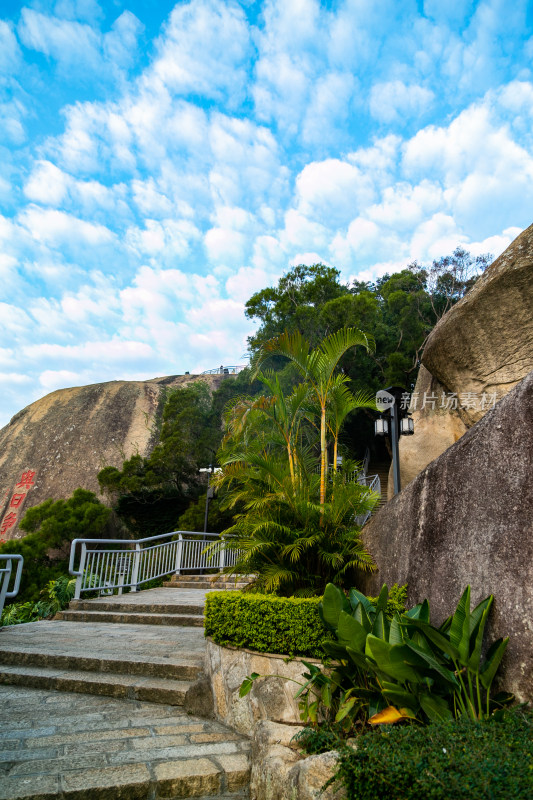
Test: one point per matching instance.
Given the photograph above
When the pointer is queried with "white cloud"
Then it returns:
(393, 101)
(204, 50)
(333, 191)
(9, 49)
(47, 184)
(78, 47)
(57, 227)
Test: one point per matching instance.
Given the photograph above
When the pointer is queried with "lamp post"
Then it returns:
(387, 400)
(210, 491)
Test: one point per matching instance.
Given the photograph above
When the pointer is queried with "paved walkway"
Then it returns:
(81, 747)
(106, 742)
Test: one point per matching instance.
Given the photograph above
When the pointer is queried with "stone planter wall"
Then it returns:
(270, 699)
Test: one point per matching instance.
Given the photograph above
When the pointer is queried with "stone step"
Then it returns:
(114, 605)
(83, 747)
(133, 687)
(60, 662)
(181, 583)
(131, 618)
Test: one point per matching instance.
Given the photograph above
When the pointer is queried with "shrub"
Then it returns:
(56, 595)
(266, 623)
(460, 760)
(50, 527)
(270, 624)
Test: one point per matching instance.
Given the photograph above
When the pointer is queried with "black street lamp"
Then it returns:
(210, 491)
(388, 401)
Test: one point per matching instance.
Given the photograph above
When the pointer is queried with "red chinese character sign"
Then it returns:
(12, 512)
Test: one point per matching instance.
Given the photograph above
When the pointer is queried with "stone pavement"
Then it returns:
(127, 733)
(80, 747)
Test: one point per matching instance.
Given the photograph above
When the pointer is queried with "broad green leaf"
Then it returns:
(432, 662)
(247, 684)
(398, 695)
(333, 602)
(435, 707)
(396, 635)
(360, 659)
(391, 660)
(381, 626)
(460, 623)
(326, 695)
(312, 710)
(476, 614)
(351, 632)
(362, 617)
(494, 657)
(345, 708)
(335, 650)
(474, 662)
(390, 715)
(357, 597)
(381, 604)
(435, 637)
(420, 611)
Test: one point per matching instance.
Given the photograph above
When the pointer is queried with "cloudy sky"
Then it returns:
(162, 161)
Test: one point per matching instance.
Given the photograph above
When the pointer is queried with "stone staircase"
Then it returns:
(141, 653)
(217, 582)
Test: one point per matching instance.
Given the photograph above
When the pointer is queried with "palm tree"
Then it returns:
(317, 367)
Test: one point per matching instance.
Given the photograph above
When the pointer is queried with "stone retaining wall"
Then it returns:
(270, 699)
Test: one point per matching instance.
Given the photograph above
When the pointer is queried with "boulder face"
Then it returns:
(436, 428)
(468, 519)
(62, 441)
(478, 352)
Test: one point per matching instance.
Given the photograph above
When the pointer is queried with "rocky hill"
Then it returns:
(62, 441)
(474, 356)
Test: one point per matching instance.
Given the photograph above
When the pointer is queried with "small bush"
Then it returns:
(287, 625)
(266, 623)
(459, 760)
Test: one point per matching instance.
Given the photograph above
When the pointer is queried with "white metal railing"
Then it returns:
(108, 564)
(374, 484)
(233, 370)
(6, 568)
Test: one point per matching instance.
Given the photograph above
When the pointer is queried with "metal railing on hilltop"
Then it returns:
(6, 569)
(109, 564)
(233, 370)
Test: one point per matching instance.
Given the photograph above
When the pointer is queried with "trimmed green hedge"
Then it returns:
(269, 624)
(287, 625)
(460, 760)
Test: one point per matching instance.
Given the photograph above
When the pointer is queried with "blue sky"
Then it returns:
(162, 161)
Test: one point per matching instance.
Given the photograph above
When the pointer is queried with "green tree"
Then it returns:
(317, 368)
(50, 528)
(293, 526)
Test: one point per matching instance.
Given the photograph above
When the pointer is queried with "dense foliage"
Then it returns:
(296, 520)
(459, 760)
(287, 625)
(50, 528)
(398, 311)
(389, 671)
(55, 596)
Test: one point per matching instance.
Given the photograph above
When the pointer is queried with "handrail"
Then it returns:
(132, 542)
(234, 369)
(5, 575)
(373, 483)
(366, 461)
(139, 561)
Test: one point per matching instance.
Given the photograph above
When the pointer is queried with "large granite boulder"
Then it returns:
(478, 351)
(62, 441)
(468, 519)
